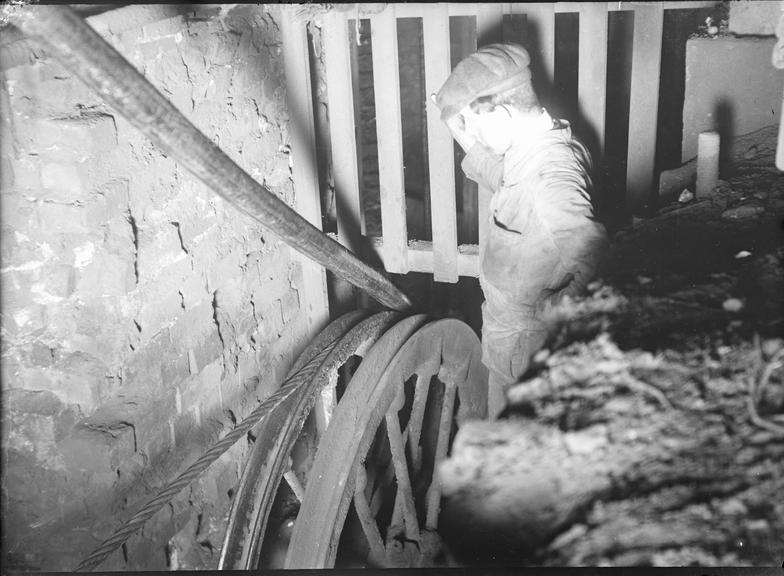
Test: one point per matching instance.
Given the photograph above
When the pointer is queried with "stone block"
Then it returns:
(27, 173)
(61, 218)
(95, 327)
(107, 275)
(160, 308)
(87, 451)
(47, 89)
(270, 324)
(143, 366)
(248, 370)
(175, 370)
(758, 17)
(16, 53)
(25, 320)
(7, 177)
(75, 379)
(40, 402)
(193, 326)
(195, 63)
(159, 247)
(164, 28)
(56, 283)
(132, 18)
(19, 253)
(194, 291)
(33, 434)
(111, 201)
(196, 220)
(206, 351)
(226, 269)
(289, 305)
(62, 182)
(204, 390)
(68, 139)
(731, 87)
(230, 300)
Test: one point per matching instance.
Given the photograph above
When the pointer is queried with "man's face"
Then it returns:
(494, 130)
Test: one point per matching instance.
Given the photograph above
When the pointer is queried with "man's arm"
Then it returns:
(479, 164)
(484, 167)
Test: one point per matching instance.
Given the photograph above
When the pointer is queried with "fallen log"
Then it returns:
(613, 457)
(651, 430)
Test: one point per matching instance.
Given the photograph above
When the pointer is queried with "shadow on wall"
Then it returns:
(725, 126)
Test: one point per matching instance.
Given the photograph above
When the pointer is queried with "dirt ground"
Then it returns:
(651, 430)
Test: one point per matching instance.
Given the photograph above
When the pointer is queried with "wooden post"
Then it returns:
(296, 63)
(340, 95)
(435, 25)
(540, 24)
(103, 69)
(386, 80)
(489, 21)
(462, 43)
(644, 105)
(354, 67)
(708, 144)
(592, 74)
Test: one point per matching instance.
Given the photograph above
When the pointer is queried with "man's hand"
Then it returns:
(456, 125)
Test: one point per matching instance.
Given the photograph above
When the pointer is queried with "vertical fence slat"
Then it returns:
(302, 129)
(342, 133)
(340, 96)
(386, 84)
(354, 58)
(435, 24)
(644, 104)
(592, 74)
(541, 18)
(489, 22)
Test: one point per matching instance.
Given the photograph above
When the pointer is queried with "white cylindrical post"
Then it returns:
(707, 162)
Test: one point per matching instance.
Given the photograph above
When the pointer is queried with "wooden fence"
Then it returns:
(442, 256)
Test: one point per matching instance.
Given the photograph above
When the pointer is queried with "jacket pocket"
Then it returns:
(503, 250)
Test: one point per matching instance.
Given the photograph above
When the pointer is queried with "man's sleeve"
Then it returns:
(484, 167)
(567, 211)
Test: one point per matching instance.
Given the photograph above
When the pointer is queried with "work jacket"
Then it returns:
(543, 241)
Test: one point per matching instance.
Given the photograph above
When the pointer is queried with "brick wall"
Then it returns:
(141, 315)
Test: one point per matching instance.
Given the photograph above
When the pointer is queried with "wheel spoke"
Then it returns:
(411, 436)
(414, 427)
(293, 481)
(369, 526)
(442, 446)
(397, 448)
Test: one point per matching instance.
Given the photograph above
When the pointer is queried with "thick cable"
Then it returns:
(195, 470)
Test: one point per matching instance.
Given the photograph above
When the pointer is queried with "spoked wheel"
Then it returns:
(373, 496)
(261, 496)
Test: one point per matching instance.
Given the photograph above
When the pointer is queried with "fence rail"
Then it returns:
(443, 257)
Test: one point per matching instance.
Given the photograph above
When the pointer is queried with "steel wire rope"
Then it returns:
(163, 497)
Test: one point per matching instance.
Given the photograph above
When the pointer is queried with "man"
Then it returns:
(543, 241)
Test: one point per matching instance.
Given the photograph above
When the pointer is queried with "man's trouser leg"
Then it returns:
(507, 355)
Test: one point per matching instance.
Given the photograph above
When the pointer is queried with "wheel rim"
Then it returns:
(434, 381)
(278, 432)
